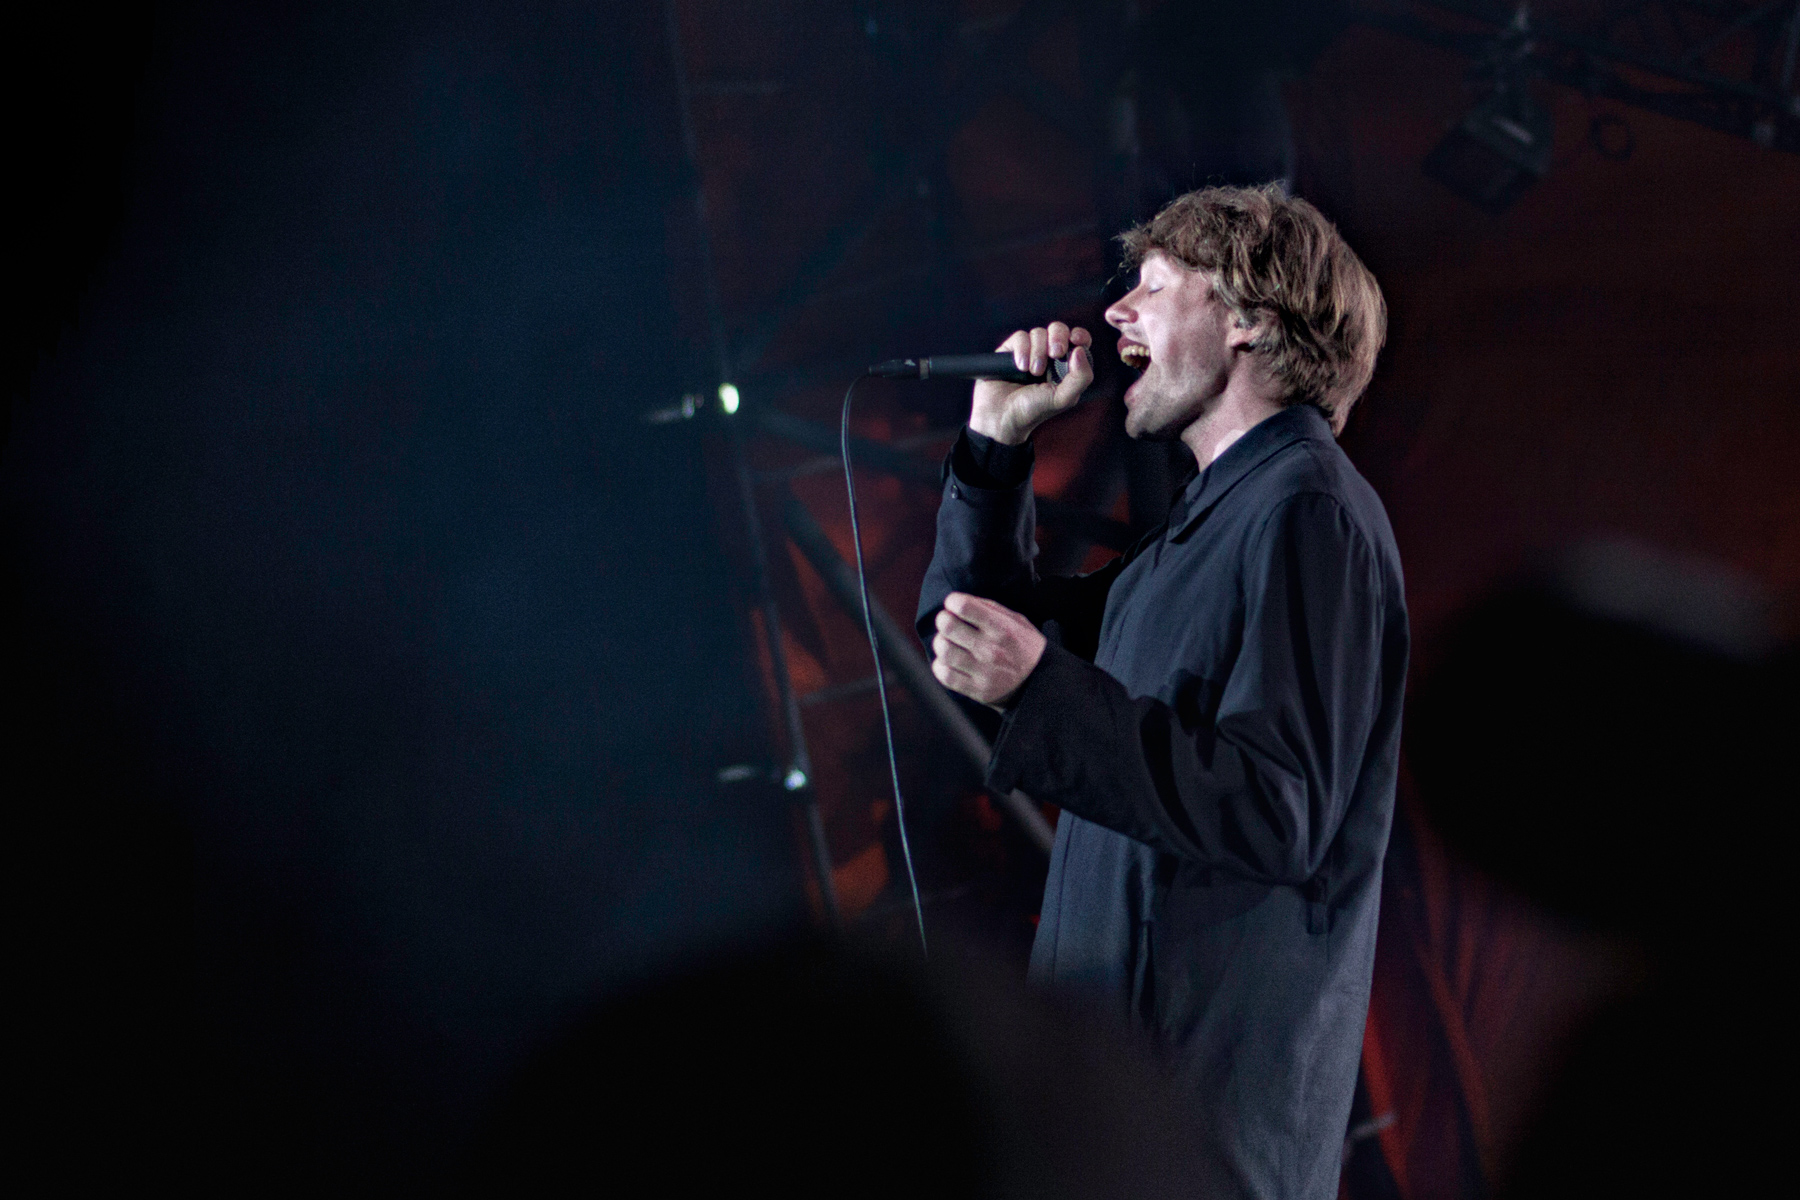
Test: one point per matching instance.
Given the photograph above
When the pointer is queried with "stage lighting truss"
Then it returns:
(1729, 65)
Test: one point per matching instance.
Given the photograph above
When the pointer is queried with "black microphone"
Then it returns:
(968, 366)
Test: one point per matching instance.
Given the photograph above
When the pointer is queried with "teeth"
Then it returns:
(1134, 355)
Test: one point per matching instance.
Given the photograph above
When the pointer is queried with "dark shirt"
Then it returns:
(1218, 715)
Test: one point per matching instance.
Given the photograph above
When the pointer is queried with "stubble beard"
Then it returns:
(1156, 417)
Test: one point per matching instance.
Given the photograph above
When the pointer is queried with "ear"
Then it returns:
(1246, 334)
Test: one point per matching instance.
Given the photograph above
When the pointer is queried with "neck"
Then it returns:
(1236, 413)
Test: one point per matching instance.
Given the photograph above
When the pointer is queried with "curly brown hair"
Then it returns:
(1275, 260)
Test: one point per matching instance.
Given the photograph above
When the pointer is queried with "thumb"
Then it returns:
(1081, 374)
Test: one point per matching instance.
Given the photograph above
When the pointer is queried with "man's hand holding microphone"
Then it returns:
(984, 650)
(1010, 412)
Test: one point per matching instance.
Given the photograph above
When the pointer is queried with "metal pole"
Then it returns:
(797, 779)
(903, 653)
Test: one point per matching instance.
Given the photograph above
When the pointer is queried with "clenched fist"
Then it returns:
(982, 649)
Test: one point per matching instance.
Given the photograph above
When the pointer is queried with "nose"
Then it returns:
(1122, 313)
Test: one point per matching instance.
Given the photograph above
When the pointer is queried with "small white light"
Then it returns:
(728, 397)
(795, 780)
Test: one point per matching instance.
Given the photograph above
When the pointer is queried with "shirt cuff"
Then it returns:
(1029, 752)
(982, 462)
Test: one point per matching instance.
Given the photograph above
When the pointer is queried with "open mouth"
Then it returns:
(1133, 355)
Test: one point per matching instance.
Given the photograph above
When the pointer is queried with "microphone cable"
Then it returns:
(887, 720)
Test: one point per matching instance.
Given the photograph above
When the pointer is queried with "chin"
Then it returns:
(1137, 415)
(1142, 426)
(1153, 416)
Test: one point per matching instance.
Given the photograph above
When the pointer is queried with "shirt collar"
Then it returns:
(1295, 423)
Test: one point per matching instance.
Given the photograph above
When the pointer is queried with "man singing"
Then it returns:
(1217, 712)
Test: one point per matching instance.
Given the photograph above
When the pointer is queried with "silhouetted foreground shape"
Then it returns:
(1613, 736)
(813, 1070)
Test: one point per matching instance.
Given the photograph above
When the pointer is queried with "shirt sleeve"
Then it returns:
(1252, 772)
(985, 463)
(987, 546)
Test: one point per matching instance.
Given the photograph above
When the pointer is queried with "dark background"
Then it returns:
(371, 661)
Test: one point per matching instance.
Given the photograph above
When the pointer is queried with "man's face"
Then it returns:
(1181, 337)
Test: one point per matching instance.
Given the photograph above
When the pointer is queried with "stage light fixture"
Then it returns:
(728, 398)
(1502, 145)
(1495, 152)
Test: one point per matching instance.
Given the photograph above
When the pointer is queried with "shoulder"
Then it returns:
(1313, 482)
(1317, 515)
